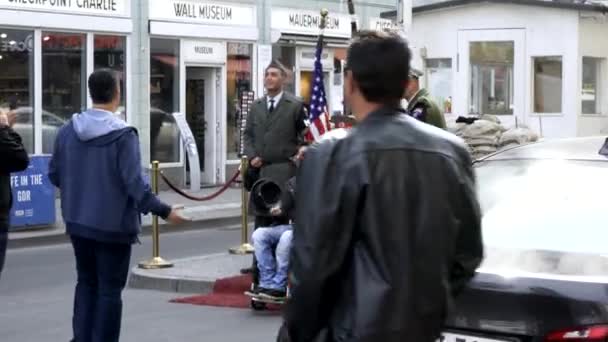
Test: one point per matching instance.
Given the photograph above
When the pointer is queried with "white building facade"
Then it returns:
(196, 57)
(540, 64)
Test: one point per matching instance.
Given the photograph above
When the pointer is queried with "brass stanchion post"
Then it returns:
(156, 261)
(245, 247)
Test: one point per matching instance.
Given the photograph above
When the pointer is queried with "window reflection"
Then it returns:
(110, 53)
(164, 100)
(287, 56)
(63, 79)
(548, 85)
(439, 78)
(591, 95)
(491, 77)
(17, 81)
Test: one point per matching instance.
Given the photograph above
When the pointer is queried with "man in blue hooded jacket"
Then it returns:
(97, 166)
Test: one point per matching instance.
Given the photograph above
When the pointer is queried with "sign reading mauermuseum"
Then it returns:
(95, 7)
(202, 12)
(298, 21)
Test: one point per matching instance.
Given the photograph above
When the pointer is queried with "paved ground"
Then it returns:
(37, 287)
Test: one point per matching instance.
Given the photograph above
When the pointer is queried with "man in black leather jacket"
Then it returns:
(387, 219)
(13, 158)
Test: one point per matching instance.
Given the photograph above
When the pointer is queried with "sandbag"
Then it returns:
(520, 135)
(482, 128)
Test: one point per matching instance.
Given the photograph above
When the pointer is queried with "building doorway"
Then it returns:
(202, 105)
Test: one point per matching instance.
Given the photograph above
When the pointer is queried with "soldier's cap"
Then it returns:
(415, 73)
(347, 119)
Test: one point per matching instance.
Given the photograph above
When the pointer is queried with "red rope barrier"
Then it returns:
(204, 198)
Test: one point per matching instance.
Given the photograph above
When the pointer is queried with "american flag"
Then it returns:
(318, 115)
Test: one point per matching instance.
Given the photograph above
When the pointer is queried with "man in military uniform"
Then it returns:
(420, 104)
(274, 133)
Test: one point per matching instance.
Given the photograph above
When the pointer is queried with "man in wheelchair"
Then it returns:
(273, 243)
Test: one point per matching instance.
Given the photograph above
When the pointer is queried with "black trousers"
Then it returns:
(3, 242)
(102, 270)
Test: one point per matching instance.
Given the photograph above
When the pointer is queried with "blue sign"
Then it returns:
(33, 195)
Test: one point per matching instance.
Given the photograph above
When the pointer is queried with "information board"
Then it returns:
(191, 150)
(33, 195)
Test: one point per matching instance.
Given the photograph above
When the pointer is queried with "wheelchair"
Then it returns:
(261, 304)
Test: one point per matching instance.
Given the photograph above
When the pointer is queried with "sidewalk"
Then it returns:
(225, 206)
(190, 276)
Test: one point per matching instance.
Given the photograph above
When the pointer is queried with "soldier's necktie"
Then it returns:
(271, 108)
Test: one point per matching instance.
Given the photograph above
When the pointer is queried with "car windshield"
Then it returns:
(545, 215)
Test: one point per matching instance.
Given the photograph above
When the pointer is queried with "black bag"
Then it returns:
(251, 176)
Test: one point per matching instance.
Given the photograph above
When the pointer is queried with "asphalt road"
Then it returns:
(36, 293)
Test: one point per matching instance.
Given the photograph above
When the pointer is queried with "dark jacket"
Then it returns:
(387, 231)
(275, 137)
(423, 108)
(13, 158)
(97, 166)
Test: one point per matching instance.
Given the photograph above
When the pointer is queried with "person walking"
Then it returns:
(420, 104)
(14, 158)
(274, 134)
(96, 164)
(388, 224)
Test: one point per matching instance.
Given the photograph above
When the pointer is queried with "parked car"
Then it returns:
(545, 228)
(164, 133)
(51, 123)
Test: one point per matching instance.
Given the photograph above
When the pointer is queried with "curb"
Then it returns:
(140, 281)
(168, 280)
(61, 236)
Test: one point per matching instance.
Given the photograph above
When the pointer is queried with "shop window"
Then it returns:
(548, 84)
(110, 53)
(306, 81)
(439, 82)
(592, 96)
(17, 81)
(63, 81)
(164, 100)
(239, 82)
(287, 56)
(491, 78)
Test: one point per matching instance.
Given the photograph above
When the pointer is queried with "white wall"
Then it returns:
(548, 32)
(592, 29)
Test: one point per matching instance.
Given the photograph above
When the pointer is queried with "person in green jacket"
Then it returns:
(420, 104)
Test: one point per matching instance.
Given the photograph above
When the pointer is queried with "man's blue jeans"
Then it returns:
(273, 273)
(102, 275)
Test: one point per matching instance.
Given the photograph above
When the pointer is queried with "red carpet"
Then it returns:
(227, 292)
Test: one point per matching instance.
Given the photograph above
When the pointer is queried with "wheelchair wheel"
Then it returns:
(258, 306)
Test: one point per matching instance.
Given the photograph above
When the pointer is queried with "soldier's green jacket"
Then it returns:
(423, 108)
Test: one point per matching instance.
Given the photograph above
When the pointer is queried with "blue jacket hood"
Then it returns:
(98, 126)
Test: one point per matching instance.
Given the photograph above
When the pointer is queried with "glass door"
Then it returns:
(491, 64)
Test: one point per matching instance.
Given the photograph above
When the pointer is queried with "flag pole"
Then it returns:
(353, 28)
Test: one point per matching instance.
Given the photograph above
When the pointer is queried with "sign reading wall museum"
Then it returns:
(95, 7)
(297, 21)
(202, 12)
